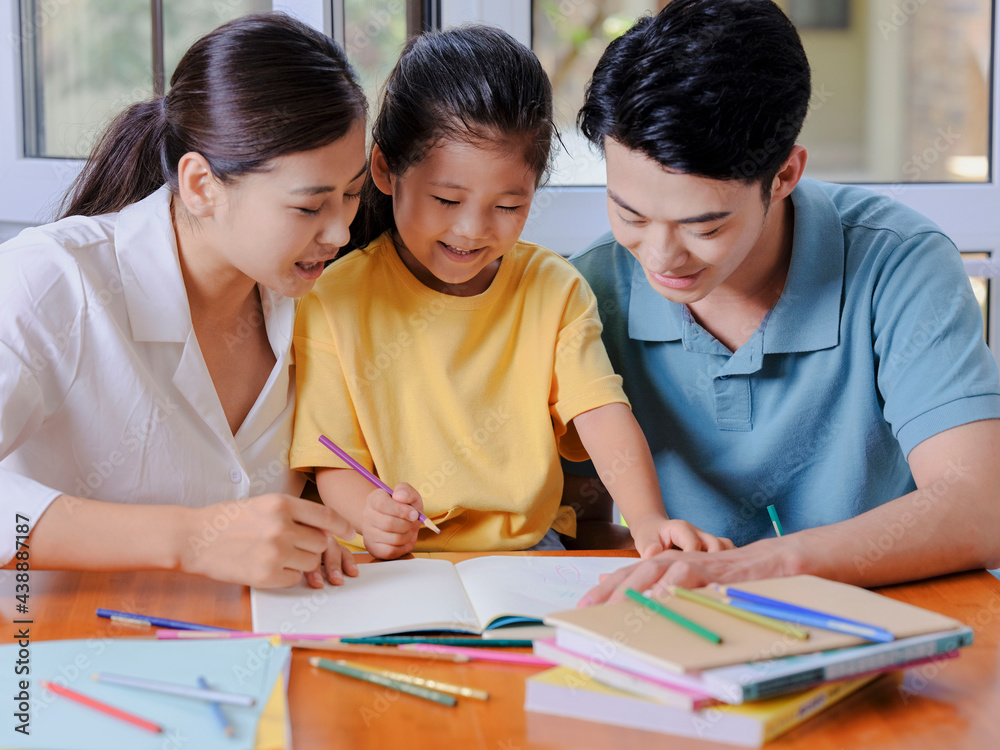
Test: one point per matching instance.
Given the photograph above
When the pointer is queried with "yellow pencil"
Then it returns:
(767, 622)
(444, 687)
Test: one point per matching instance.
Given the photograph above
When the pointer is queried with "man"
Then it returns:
(783, 341)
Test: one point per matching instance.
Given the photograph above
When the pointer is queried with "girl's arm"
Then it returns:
(621, 456)
(387, 522)
(269, 540)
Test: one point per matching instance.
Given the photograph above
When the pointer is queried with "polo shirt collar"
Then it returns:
(806, 317)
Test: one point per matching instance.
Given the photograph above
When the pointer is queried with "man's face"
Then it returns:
(691, 235)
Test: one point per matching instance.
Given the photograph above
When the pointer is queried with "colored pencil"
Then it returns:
(349, 648)
(185, 635)
(684, 622)
(442, 687)
(779, 610)
(395, 640)
(104, 708)
(170, 688)
(481, 654)
(346, 458)
(217, 712)
(774, 520)
(160, 622)
(767, 622)
(340, 667)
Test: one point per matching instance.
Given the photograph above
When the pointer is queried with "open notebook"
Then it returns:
(422, 594)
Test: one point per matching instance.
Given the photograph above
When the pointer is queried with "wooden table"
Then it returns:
(951, 705)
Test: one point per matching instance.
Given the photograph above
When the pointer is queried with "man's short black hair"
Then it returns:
(714, 88)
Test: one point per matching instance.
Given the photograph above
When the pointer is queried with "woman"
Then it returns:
(145, 381)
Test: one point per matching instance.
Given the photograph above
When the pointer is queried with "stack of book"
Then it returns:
(743, 680)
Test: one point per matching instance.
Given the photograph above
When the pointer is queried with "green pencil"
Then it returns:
(767, 622)
(395, 640)
(379, 679)
(774, 520)
(671, 615)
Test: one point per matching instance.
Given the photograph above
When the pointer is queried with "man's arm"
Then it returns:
(950, 523)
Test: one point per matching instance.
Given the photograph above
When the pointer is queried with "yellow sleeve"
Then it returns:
(583, 378)
(323, 401)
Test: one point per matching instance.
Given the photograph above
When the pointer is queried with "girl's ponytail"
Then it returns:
(125, 166)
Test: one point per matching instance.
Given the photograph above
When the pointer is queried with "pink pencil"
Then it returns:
(483, 654)
(104, 708)
(372, 478)
(177, 635)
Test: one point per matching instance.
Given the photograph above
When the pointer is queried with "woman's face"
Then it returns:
(278, 227)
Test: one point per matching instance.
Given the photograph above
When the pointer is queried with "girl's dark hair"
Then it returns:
(714, 88)
(473, 83)
(256, 88)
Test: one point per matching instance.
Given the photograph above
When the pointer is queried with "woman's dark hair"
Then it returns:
(714, 88)
(256, 88)
(472, 83)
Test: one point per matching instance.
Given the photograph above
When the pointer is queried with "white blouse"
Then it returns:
(104, 392)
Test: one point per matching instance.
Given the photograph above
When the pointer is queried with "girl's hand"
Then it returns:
(389, 522)
(651, 538)
(337, 562)
(263, 541)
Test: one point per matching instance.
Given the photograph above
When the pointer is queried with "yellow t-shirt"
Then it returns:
(468, 399)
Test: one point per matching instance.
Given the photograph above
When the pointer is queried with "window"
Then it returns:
(76, 63)
(80, 69)
(910, 90)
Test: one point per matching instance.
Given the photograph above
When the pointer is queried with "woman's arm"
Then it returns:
(270, 540)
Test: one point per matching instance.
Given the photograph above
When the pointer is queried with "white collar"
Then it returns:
(153, 285)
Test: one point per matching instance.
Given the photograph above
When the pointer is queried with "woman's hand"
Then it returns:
(264, 541)
(337, 562)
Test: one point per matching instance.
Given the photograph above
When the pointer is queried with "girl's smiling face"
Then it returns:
(457, 211)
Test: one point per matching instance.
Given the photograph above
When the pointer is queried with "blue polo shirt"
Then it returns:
(875, 345)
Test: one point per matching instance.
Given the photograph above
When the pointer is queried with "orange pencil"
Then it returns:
(104, 708)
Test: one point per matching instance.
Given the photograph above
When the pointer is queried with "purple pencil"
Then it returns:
(372, 478)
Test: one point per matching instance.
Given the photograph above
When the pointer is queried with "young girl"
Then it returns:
(455, 360)
(145, 381)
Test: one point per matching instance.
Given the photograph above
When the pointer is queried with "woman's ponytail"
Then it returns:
(125, 166)
(257, 88)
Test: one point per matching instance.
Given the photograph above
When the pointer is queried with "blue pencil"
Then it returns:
(220, 715)
(779, 610)
(160, 622)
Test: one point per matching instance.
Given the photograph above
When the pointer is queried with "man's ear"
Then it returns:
(198, 188)
(789, 175)
(381, 175)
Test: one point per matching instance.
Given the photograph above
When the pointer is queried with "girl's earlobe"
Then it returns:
(381, 175)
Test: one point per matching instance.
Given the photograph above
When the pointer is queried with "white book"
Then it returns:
(422, 594)
(749, 681)
(562, 692)
(666, 691)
